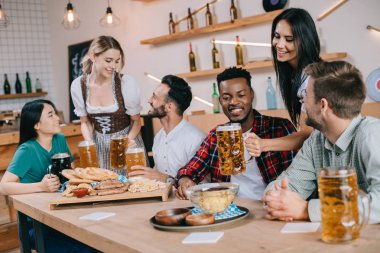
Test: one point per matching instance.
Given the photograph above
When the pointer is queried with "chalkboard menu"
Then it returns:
(76, 54)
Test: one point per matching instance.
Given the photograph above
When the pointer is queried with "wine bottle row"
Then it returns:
(209, 18)
(18, 87)
(215, 55)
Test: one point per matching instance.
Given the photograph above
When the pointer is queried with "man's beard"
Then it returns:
(313, 123)
(158, 112)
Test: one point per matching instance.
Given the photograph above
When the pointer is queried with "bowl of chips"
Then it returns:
(212, 198)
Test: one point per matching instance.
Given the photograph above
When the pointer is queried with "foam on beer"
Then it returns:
(229, 127)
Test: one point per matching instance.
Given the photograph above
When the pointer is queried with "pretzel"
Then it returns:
(76, 181)
(96, 174)
(69, 173)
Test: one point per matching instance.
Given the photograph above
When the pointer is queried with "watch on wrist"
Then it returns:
(170, 180)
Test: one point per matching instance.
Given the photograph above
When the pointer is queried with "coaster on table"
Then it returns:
(203, 237)
(300, 227)
(96, 216)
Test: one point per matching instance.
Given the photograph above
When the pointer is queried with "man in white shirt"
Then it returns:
(178, 140)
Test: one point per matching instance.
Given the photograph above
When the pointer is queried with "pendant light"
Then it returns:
(70, 18)
(4, 21)
(109, 19)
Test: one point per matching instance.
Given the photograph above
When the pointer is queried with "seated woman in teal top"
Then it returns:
(39, 141)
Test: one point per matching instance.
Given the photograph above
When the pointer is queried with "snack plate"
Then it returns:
(162, 193)
(217, 223)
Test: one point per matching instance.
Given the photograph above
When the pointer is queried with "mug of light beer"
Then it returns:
(340, 200)
(87, 154)
(134, 156)
(230, 149)
(118, 145)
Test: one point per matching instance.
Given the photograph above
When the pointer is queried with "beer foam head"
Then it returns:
(60, 155)
(336, 172)
(135, 150)
(85, 143)
(229, 127)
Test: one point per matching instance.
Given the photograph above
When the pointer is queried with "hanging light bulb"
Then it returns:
(4, 21)
(109, 19)
(70, 18)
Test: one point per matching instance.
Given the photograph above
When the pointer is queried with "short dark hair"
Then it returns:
(341, 84)
(30, 116)
(232, 73)
(180, 92)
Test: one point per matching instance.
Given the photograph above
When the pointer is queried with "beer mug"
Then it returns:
(118, 145)
(230, 149)
(339, 195)
(87, 154)
(60, 161)
(134, 156)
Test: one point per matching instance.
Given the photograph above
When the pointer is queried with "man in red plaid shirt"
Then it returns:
(236, 97)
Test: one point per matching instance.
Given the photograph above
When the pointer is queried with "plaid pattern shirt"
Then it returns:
(270, 164)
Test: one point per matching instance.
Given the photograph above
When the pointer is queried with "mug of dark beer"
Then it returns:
(60, 161)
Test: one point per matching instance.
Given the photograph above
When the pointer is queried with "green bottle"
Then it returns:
(18, 86)
(215, 100)
(7, 86)
(28, 83)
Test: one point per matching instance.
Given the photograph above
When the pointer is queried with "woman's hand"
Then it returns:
(50, 183)
(253, 144)
(131, 143)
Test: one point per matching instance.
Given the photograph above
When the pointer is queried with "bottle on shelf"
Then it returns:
(215, 56)
(190, 20)
(233, 12)
(215, 100)
(38, 85)
(171, 24)
(18, 86)
(271, 95)
(193, 67)
(208, 15)
(238, 52)
(7, 86)
(28, 83)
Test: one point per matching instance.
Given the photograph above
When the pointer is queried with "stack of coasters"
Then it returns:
(230, 212)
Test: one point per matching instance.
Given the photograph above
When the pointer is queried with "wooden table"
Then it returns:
(130, 231)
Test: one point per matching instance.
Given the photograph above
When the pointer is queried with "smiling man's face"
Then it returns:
(236, 99)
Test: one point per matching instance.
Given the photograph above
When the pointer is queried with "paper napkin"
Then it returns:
(96, 216)
(300, 227)
(203, 237)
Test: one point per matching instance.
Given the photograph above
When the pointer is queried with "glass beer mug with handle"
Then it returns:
(135, 156)
(87, 154)
(118, 145)
(339, 196)
(230, 149)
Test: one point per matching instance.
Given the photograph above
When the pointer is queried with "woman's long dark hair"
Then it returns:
(30, 116)
(308, 49)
